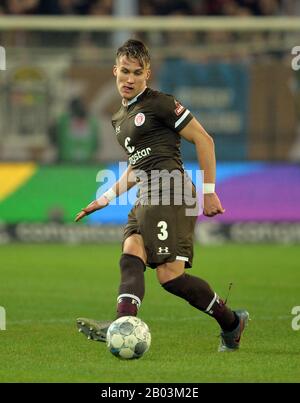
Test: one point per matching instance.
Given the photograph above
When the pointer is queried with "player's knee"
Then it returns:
(134, 246)
(169, 271)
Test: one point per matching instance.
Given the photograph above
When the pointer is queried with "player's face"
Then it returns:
(131, 77)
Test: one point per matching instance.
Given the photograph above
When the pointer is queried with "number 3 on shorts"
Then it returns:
(163, 235)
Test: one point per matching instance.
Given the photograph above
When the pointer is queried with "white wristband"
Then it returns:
(110, 194)
(208, 188)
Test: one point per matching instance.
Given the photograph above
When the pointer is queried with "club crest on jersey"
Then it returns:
(139, 119)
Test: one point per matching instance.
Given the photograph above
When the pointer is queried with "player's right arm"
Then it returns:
(125, 183)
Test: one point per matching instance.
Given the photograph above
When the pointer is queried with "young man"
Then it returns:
(148, 126)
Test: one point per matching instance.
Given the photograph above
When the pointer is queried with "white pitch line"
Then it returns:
(153, 319)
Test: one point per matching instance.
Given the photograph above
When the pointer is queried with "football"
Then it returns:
(128, 337)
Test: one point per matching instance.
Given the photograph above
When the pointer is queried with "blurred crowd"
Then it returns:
(153, 7)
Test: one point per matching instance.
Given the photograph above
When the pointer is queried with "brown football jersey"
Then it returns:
(148, 130)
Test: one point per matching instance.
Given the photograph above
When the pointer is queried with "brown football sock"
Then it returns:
(199, 294)
(132, 287)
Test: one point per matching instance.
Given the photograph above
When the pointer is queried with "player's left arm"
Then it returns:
(205, 148)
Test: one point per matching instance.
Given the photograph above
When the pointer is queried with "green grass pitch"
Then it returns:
(44, 288)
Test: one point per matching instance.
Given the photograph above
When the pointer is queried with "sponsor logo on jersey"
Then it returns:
(133, 159)
(139, 119)
(179, 108)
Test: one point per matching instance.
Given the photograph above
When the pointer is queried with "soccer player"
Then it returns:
(149, 126)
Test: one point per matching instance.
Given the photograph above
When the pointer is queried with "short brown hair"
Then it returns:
(135, 49)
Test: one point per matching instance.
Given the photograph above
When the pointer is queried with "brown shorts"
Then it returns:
(167, 232)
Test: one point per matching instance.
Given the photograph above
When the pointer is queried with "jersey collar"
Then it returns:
(133, 100)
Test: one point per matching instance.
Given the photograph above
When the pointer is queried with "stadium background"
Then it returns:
(57, 96)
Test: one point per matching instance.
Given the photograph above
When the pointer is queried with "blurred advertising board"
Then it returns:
(39, 203)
